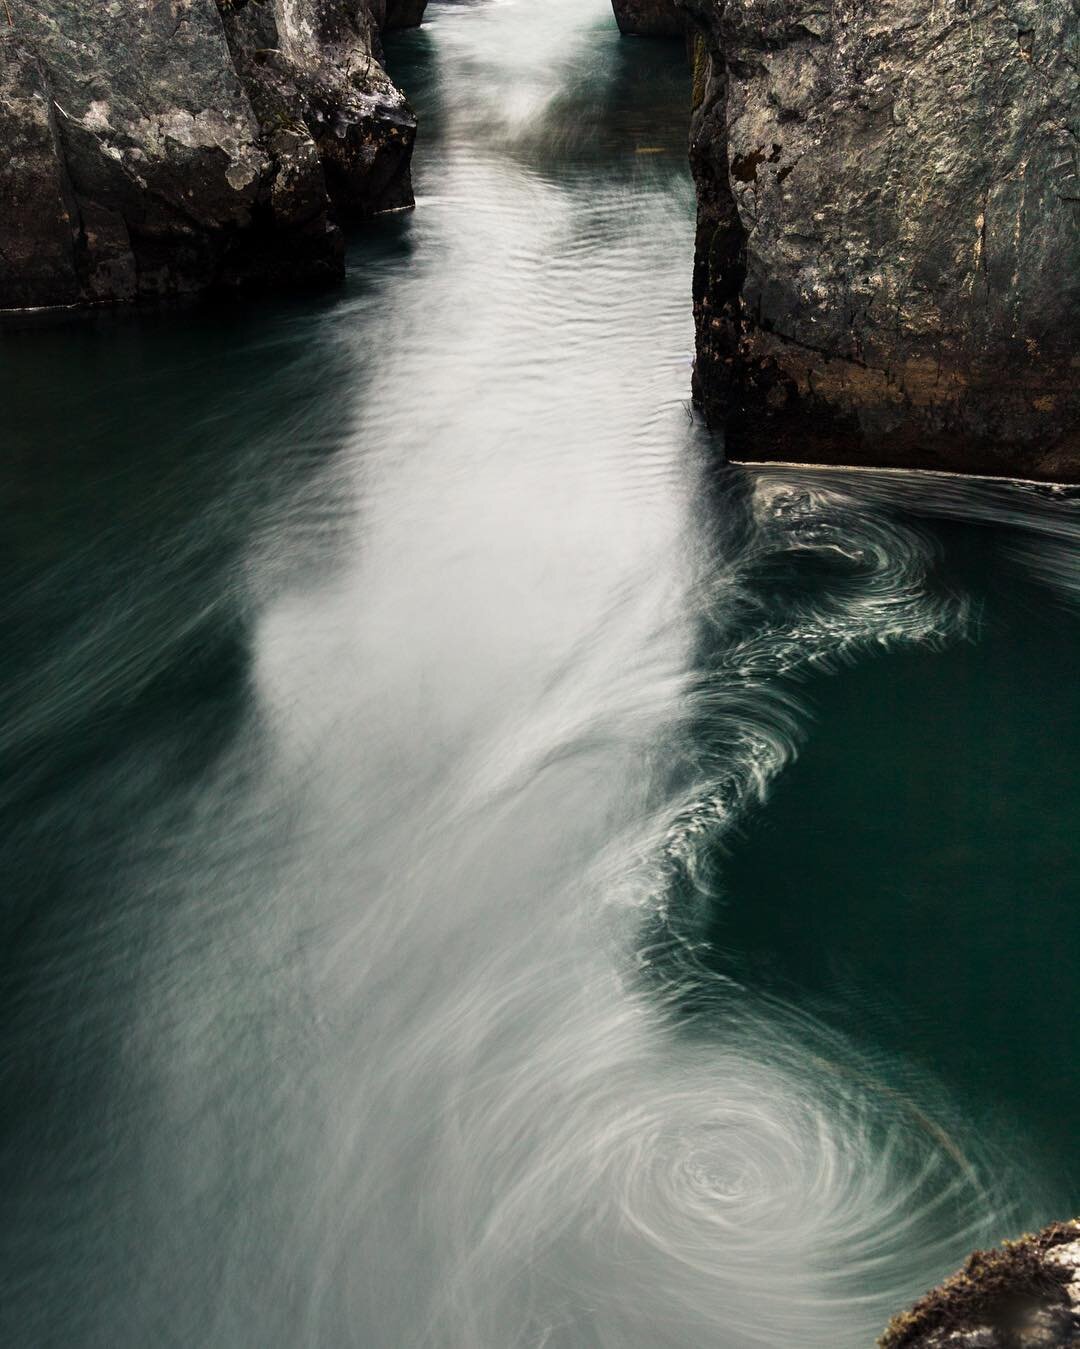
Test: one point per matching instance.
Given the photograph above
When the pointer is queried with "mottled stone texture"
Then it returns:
(649, 18)
(162, 147)
(888, 265)
(33, 186)
(1024, 1295)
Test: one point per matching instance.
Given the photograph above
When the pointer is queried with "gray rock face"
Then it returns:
(168, 146)
(1025, 1295)
(314, 67)
(649, 18)
(399, 13)
(888, 266)
(33, 186)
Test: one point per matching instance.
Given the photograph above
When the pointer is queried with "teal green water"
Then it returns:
(478, 871)
(914, 875)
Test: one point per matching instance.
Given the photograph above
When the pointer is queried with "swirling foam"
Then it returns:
(763, 636)
(747, 1178)
(638, 1188)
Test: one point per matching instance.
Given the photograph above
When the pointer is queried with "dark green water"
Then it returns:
(477, 872)
(914, 876)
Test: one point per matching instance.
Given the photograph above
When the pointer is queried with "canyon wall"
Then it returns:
(163, 147)
(888, 261)
(649, 18)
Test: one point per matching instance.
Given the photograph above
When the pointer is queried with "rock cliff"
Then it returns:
(1026, 1295)
(649, 18)
(888, 262)
(162, 147)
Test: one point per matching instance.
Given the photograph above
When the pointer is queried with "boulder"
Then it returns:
(1024, 1295)
(401, 14)
(649, 18)
(888, 259)
(315, 68)
(165, 147)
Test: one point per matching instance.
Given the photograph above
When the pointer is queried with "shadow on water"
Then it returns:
(135, 490)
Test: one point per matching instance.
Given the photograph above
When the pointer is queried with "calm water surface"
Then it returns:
(477, 872)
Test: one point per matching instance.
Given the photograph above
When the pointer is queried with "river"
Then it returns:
(479, 872)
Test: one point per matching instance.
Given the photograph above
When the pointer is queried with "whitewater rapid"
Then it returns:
(392, 677)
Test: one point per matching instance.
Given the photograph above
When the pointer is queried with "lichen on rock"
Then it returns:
(649, 18)
(888, 267)
(186, 145)
(1024, 1295)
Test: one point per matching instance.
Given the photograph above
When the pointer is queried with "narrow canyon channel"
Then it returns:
(479, 873)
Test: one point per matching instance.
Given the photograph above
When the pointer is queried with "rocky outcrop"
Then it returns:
(163, 147)
(393, 14)
(888, 262)
(1025, 1295)
(649, 18)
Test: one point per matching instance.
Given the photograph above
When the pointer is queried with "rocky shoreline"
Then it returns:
(888, 255)
(165, 149)
(1024, 1295)
(887, 269)
(649, 18)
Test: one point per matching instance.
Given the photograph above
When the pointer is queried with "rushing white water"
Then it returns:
(393, 1005)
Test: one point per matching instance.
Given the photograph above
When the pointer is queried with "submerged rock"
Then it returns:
(1025, 1295)
(649, 18)
(888, 261)
(175, 146)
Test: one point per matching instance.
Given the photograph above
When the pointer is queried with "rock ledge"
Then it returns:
(888, 258)
(164, 147)
(1024, 1295)
(649, 18)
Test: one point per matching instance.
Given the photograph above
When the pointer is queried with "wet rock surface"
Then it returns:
(649, 18)
(1024, 1295)
(176, 146)
(40, 264)
(394, 14)
(888, 263)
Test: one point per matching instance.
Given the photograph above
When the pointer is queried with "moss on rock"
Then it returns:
(1020, 1294)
